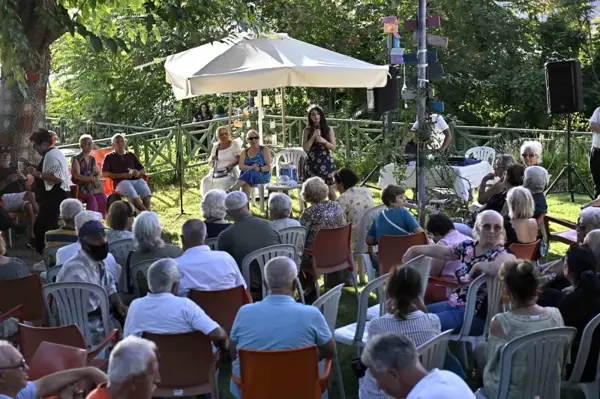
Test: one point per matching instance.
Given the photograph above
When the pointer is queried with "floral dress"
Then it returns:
(465, 252)
(355, 202)
(326, 214)
(319, 163)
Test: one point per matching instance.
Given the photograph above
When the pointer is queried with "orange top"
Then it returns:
(99, 393)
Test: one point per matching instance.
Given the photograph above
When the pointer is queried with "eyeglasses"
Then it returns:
(252, 138)
(528, 155)
(22, 365)
(489, 227)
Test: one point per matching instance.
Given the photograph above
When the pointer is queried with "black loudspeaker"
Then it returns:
(386, 98)
(564, 87)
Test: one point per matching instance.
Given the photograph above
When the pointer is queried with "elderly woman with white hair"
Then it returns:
(520, 226)
(214, 212)
(531, 153)
(224, 159)
(536, 180)
(65, 234)
(147, 241)
(485, 255)
(280, 211)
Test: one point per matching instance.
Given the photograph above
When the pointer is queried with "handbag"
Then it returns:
(220, 173)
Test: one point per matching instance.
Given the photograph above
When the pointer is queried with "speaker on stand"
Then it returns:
(564, 91)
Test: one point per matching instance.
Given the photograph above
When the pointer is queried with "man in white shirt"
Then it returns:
(394, 362)
(201, 268)
(161, 312)
(595, 150)
(442, 136)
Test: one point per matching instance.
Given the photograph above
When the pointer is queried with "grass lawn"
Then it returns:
(166, 203)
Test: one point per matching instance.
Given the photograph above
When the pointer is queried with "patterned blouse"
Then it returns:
(465, 252)
(326, 214)
(355, 202)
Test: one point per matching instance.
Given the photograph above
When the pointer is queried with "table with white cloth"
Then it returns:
(463, 178)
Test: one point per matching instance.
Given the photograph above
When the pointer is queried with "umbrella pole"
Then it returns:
(230, 111)
(283, 116)
(260, 117)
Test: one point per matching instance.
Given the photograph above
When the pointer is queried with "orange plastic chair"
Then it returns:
(51, 358)
(393, 248)
(331, 253)
(290, 374)
(109, 187)
(222, 306)
(187, 365)
(30, 339)
(525, 251)
(26, 291)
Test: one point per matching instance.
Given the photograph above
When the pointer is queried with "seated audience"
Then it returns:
(354, 201)
(224, 159)
(10, 268)
(120, 221)
(485, 255)
(280, 211)
(147, 241)
(536, 180)
(87, 266)
(246, 235)
(502, 164)
(595, 203)
(86, 175)
(127, 173)
(255, 164)
(161, 312)
(593, 240)
(14, 379)
(201, 268)
(520, 282)
(514, 178)
(214, 212)
(14, 191)
(393, 361)
(132, 371)
(531, 153)
(278, 321)
(519, 225)
(396, 220)
(66, 234)
(67, 252)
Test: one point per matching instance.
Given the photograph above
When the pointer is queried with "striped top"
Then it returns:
(418, 326)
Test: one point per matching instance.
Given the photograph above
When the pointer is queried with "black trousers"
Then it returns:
(595, 169)
(47, 218)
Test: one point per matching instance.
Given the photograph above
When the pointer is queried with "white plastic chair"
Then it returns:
(50, 252)
(590, 389)
(329, 304)
(290, 156)
(262, 256)
(71, 300)
(261, 189)
(354, 334)
(487, 154)
(540, 350)
(433, 352)
(361, 255)
(120, 250)
(423, 265)
(213, 243)
(295, 236)
(494, 296)
(52, 273)
(141, 267)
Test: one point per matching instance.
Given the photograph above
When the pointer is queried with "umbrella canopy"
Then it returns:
(251, 62)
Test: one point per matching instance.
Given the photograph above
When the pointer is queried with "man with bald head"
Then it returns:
(201, 268)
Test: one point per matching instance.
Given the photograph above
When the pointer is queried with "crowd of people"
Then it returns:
(510, 209)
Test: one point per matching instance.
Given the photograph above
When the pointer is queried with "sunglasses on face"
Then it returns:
(252, 138)
(492, 227)
(528, 155)
(22, 365)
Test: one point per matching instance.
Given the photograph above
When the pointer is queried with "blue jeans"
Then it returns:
(451, 318)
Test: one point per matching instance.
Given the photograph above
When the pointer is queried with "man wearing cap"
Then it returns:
(87, 266)
(247, 234)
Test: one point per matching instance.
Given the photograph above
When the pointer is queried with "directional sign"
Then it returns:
(432, 40)
(390, 24)
(437, 106)
(435, 72)
(432, 22)
(411, 58)
(396, 56)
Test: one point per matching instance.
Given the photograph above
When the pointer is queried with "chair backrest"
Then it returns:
(329, 304)
(262, 256)
(71, 300)
(525, 251)
(422, 264)
(494, 301)
(120, 250)
(393, 248)
(213, 243)
(290, 373)
(51, 358)
(139, 277)
(331, 250)
(99, 157)
(187, 364)
(289, 156)
(52, 273)
(433, 352)
(222, 306)
(30, 338)
(363, 228)
(49, 254)
(584, 351)
(486, 154)
(363, 306)
(26, 291)
(295, 236)
(541, 351)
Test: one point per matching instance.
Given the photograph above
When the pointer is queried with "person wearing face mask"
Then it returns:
(87, 266)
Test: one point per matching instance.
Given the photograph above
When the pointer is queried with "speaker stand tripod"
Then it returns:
(569, 169)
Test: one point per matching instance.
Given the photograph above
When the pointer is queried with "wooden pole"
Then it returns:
(422, 115)
(230, 111)
(283, 116)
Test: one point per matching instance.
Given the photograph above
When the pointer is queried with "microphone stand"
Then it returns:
(179, 161)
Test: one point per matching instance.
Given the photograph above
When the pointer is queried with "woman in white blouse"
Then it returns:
(52, 184)
(224, 158)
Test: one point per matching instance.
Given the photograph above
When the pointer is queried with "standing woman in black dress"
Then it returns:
(318, 140)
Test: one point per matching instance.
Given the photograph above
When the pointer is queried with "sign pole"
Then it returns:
(422, 108)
